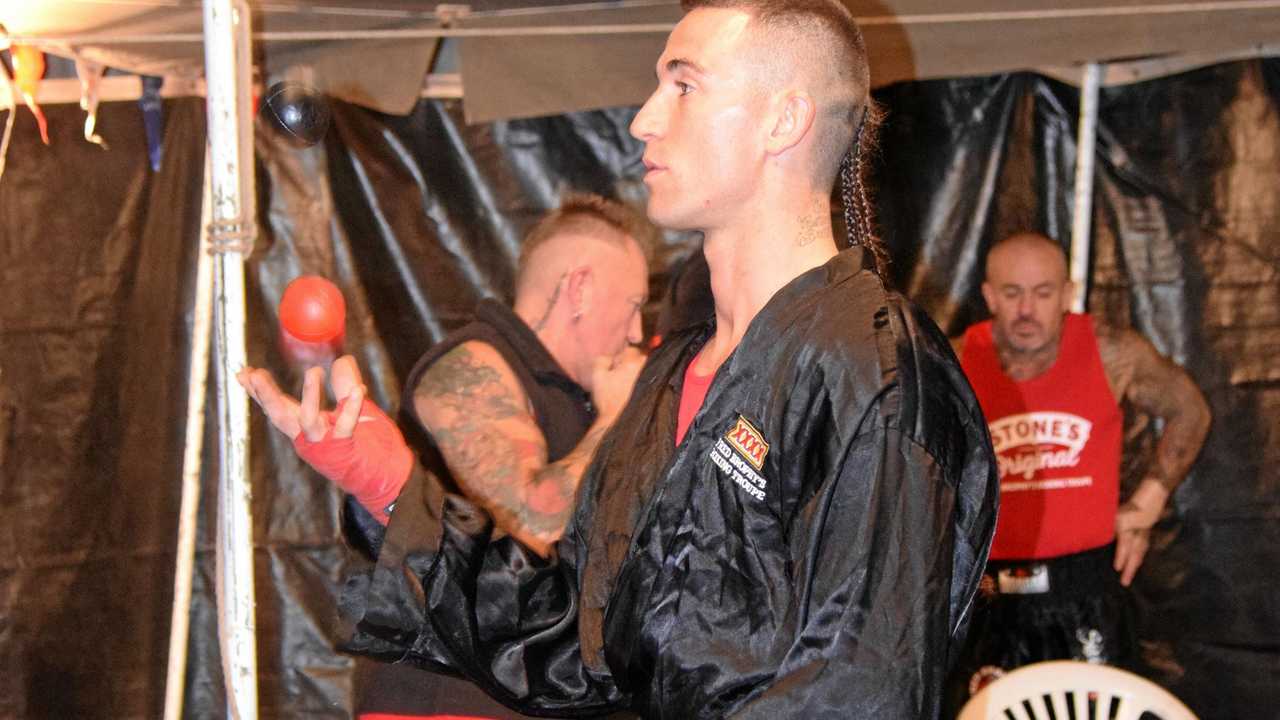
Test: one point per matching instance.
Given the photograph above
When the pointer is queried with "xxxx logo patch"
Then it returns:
(740, 456)
(747, 440)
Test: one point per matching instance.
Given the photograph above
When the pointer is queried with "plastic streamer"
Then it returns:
(8, 101)
(90, 74)
(28, 68)
(153, 118)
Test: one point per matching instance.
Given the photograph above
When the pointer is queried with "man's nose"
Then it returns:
(644, 124)
(635, 334)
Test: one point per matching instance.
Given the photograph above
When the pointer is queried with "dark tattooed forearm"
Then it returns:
(1157, 386)
(482, 461)
(1186, 425)
(556, 485)
(550, 502)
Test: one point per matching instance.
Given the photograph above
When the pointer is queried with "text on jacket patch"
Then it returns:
(750, 450)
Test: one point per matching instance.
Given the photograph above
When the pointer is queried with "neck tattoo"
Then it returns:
(1024, 365)
(808, 231)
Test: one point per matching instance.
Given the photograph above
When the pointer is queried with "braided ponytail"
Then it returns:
(858, 216)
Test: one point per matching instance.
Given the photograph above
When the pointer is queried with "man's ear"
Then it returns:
(795, 111)
(578, 287)
(989, 294)
(1069, 291)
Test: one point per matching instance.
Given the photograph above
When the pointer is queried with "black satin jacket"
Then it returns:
(811, 548)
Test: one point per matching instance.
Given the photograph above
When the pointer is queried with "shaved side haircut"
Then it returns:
(818, 38)
(821, 38)
(585, 214)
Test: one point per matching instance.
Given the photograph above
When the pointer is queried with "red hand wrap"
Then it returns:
(372, 465)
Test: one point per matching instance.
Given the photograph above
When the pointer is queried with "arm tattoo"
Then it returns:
(1155, 385)
(557, 483)
(495, 450)
(458, 380)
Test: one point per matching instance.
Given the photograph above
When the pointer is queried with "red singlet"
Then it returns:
(1057, 438)
(692, 393)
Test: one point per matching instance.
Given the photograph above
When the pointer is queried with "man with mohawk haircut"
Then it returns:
(792, 513)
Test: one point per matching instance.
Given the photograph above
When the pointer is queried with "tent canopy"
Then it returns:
(520, 58)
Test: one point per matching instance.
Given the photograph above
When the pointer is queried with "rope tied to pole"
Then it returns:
(231, 236)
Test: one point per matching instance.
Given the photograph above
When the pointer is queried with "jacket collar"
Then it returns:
(537, 358)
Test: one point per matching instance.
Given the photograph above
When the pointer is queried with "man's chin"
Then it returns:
(1022, 344)
(667, 217)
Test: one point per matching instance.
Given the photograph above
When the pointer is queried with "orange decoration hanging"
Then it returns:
(28, 68)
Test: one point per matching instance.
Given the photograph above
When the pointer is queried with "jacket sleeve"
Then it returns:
(448, 596)
(873, 557)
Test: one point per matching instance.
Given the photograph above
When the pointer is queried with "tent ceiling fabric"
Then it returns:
(164, 37)
(907, 40)
(581, 55)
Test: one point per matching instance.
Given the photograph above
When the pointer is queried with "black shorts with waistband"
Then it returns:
(1083, 614)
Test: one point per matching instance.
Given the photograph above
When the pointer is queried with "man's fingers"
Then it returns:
(344, 377)
(630, 354)
(1131, 548)
(256, 383)
(1126, 575)
(627, 363)
(1129, 568)
(280, 409)
(310, 418)
(243, 377)
(349, 414)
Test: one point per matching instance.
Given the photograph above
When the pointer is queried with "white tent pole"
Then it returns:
(1082, 215)
(231, 234)
(197, 391)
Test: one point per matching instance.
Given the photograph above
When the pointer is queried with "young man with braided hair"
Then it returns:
(791, 515)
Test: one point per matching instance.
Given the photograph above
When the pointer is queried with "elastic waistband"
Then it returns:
(1083, 572)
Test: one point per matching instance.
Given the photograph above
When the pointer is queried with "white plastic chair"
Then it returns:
(1030, 692)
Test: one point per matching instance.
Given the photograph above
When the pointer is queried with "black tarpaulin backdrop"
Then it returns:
(418, 217)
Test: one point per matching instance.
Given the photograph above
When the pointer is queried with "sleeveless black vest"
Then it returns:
(561, 407)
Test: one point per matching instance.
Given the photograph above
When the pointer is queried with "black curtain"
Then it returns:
(98, 266)
(417, 217)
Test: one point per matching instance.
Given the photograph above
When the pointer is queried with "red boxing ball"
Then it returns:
(313, 310)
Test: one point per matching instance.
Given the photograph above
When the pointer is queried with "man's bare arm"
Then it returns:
(480, 419)
(1139, 374)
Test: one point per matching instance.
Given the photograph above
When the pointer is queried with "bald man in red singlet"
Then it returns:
(1051, 384)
